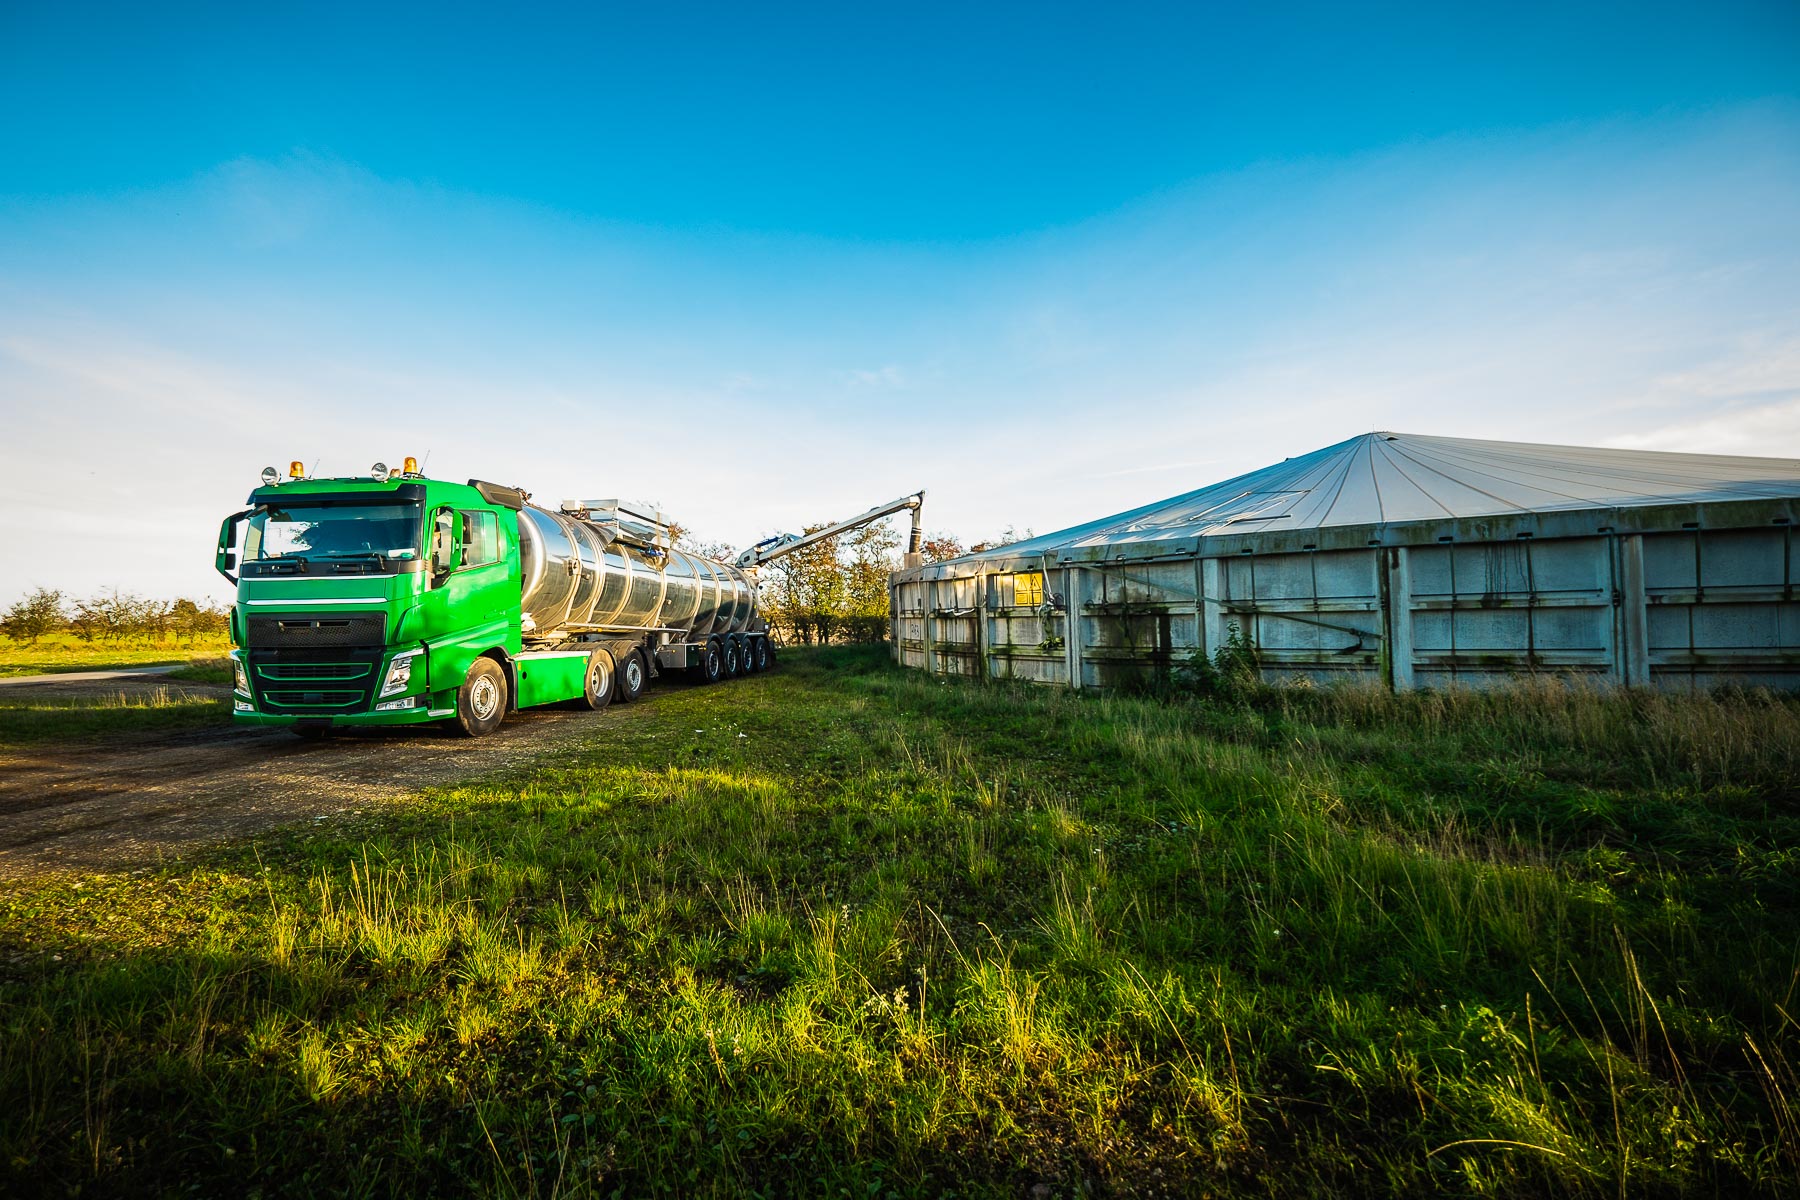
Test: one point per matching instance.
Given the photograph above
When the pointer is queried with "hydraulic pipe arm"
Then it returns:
(770, 549)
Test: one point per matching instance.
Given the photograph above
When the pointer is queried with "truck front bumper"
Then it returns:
(440, 708)
(371, 709)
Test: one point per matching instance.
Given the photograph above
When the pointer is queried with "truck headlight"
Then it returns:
(399, 676)
(240, 678)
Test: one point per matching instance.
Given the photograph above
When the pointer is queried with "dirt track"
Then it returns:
(132, 801)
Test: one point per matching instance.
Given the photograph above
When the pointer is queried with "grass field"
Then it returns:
(33, 718)
(63, 652)
(39, 720)
(844, 931)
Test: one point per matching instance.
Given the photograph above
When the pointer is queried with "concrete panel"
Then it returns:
(1577, 566)
(1345, 574)
(1572, 629)
(1737, 626)
(1669, 628)
(1017, 630)
(1431, 631)
(1741, 558)
(1670, 561)
(1432, 575)
(1491, 629)
(957, 593)
(1493, 568)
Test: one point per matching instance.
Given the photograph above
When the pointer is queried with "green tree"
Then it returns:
(192, 620)
(872, 558)
(36, 615)
(940, 546)
(113, 616)
(804, 593)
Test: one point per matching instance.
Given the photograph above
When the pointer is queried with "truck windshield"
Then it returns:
(303, 530)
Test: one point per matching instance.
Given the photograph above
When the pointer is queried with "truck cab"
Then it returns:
(373, 601)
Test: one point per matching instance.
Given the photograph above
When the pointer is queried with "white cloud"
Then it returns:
(1769, 430)
(889, 376)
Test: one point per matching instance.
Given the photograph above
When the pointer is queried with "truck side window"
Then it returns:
(481, 538)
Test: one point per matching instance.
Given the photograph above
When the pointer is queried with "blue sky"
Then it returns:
(1048, 262)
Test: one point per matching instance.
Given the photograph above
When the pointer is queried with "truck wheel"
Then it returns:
(734, 658)
(760, 648)
(600, 680)
(481, 700)
(711, 665)
(749, 653)
(633, 678)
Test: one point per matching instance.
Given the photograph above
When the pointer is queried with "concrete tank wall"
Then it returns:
(1678, 608)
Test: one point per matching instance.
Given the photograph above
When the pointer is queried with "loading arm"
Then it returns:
(770, 549)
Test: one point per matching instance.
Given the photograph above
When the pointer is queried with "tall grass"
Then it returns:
(843, 930)
(27, 718)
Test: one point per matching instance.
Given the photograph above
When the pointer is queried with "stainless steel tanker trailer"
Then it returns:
(596, 570)
(392, 598)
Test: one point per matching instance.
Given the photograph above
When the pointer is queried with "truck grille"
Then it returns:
(307, 665)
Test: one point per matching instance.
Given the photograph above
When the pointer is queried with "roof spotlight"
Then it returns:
(378, 471)
(270, 476)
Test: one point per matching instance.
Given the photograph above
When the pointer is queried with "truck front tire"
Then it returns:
(481, 700)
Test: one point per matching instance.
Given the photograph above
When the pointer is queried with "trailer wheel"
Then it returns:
(481, 700)
(633, 677)
(734, 657)
(759, 647)
(711, 665)
(601, 680)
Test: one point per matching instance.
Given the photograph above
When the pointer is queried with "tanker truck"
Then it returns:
(394, 599)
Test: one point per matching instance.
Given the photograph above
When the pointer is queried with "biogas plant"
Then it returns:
(1415, 561)
(392, 599)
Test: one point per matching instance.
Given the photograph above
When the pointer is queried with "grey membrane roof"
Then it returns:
(1387, 478)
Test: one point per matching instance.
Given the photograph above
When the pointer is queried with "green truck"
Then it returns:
(394, 599)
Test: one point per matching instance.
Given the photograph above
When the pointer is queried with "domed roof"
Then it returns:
(1388, 478)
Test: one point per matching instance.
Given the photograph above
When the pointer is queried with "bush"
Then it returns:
(34, 616)
(1233, 673)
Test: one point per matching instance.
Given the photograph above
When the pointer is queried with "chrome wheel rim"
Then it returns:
(484, 697)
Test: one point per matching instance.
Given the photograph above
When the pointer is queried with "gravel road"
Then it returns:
(68, 807)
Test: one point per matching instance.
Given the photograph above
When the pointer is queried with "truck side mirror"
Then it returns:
(225, 559)
(445, 545)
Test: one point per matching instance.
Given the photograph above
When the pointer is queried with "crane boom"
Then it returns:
(770, 549)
